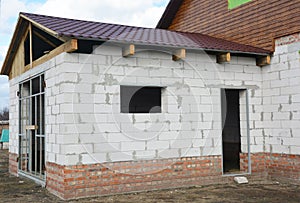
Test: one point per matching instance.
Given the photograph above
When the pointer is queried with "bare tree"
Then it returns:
(4, 114)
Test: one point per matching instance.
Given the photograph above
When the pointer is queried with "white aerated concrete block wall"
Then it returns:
(13, 118)
(85, 125)
(281, 98)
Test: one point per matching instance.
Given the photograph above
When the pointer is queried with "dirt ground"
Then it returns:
(14, 189)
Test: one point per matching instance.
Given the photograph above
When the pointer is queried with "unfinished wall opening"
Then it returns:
(27, 50)
(32, 127)
(231, 132)
(139, 99)
(42, 43)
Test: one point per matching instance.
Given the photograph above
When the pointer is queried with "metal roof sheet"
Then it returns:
(82, 29)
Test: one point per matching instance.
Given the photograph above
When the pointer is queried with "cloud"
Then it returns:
(4, 91)
(10, 10)
(129, 12)
(3, 50)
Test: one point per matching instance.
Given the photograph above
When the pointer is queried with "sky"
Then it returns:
(145, 13)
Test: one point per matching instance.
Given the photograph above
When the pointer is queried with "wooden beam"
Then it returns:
(44, 39)
(30, 45)
(179, 54)
(70, 46)
(128, 50)
(223, 58)
(263, 61)
(31, 127)
(47, 30)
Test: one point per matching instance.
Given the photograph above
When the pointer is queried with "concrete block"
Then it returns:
(161, 73)
(133, 146)
(118, 137)
(55, 109)
(67, 77)
(180, 143)
(121, 61)
(66, 108)
(108, 127)
(290, 73)
(281, 49)
(271, 92)
(155, 145)
(147, 81)
(103, 108)
(280, 149)
(295, 150)
(283, 58)
(280, 83)
(241, 180)
(66, 139)
(184, 73)
(148, 62)
(296, 98)
(294, 55)
(199, 143)
(243, 76)
(107, 49)
(281, 99)
(191, 152)
(120, 156)
(295, 81)
(281, 116)
(294, 64)
(172, 135)
(271, 76)
(76, 149)
(233, 68)
(106, 147)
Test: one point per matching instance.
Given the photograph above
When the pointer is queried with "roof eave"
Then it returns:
(176, 47)
(12, 49)
(169, 14)
(4, 69)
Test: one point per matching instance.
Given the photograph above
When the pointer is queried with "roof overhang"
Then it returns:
(169, 14)
(20, 30)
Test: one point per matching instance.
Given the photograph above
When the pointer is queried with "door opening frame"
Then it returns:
(32, 143)
(247, 111)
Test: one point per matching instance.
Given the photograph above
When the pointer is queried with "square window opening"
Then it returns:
(141, 99)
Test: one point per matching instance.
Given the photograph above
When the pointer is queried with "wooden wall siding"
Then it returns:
(18, 64)
(255, 23)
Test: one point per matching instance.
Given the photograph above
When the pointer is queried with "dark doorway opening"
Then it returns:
(231, 133)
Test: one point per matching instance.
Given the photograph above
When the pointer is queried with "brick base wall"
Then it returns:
(69, 182)
(123, 177)
(283, 167)
(13, 164)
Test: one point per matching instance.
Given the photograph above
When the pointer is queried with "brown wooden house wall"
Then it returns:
(255, 23)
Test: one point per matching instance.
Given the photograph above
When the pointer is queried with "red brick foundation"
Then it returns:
(70, 182)
(283, 167)
(94, 180)
(13, 164)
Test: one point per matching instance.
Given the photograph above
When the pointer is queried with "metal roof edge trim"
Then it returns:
(177, 47)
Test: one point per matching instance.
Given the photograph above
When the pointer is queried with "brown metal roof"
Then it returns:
(81, 29)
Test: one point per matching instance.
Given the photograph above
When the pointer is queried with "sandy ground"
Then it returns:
(13, 189)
